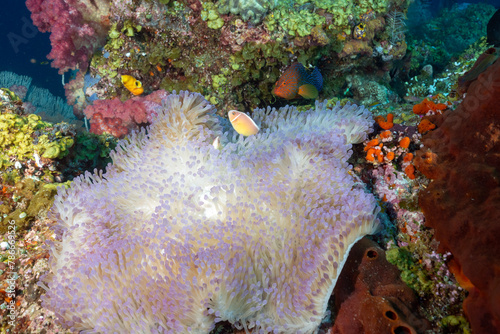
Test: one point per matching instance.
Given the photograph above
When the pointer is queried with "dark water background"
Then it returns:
(21, 42)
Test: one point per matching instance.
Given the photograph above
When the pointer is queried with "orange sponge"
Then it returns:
(410, 171)
(426, 105)
(386, 134)
(375, 153)
(371, 143)
(408, 157)
(386, 125)
(405, 142)
(425, 125)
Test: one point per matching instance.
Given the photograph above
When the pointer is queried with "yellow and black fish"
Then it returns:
(132, 84)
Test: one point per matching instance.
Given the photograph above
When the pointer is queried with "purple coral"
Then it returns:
(178, 235)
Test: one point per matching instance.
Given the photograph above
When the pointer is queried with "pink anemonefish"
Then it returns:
(298, 81)
(242, 123)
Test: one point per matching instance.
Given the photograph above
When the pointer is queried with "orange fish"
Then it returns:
(298, 81)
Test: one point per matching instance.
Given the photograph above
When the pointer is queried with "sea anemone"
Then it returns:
(177, 235)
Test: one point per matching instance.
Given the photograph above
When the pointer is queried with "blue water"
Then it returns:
(437, 5)
(22, 44)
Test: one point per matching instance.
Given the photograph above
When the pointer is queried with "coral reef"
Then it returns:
(426, 272)
(462, 202)
(254, 233)
(424, 83)
(371, 298)
(365, 45)
(410, 245)
(22, 262)
(231, 52)
(194, 228)
(391, 146)
(29, 200)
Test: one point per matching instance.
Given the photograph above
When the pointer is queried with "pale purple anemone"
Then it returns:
(178, 235)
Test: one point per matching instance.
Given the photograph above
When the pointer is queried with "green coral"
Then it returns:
(117, 32)
(249, 10)
(128, 28)
(211, 16)
(456, 324)
(53, 146)
(295, 23)
(233, 63)
(411, 272)
(8, 96)
(91, 151)
(56, 149)
(18, 139)
(218, 81)
(375, 5)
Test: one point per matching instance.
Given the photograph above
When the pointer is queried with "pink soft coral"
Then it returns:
(77, 29)
(117, 118)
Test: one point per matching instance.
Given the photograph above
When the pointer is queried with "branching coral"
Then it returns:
(396, 26)
(178, 235)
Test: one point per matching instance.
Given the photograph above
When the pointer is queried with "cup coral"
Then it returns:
(177, 235)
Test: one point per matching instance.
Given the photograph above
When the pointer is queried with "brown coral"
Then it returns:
(354, 47)
(371, 298)
(462, 203)
(239, 33)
